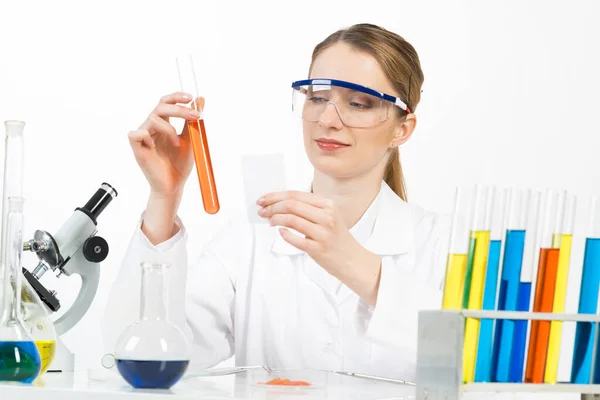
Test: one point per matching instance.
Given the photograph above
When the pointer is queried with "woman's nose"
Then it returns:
(331, 116)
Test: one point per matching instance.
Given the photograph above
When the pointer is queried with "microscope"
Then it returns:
(73, 249)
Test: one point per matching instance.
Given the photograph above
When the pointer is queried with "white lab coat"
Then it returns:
(253, 295)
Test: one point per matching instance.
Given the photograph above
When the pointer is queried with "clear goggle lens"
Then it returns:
(354, 108)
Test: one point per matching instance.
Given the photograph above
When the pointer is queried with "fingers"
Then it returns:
(158, 126)
(183, 98)
(177, 97)
(141, 137)
(305, 197)
(304, 210)
(304, 244)
(166, 111)
(157, 122)
(309, 229)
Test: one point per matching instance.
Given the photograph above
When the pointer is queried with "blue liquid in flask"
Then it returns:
(152, 374)
(19, 361)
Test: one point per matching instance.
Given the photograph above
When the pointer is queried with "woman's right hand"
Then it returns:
(165, 158)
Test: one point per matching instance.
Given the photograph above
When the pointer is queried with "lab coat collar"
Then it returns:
(392, 231)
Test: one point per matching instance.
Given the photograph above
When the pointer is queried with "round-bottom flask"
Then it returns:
(19, 360)
(19, 356)
(152, 353)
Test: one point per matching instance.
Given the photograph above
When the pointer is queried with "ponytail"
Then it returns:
(393, 175)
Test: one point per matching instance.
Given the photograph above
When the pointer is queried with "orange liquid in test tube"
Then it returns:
(540, 330)
(197, 133)
(204, 169)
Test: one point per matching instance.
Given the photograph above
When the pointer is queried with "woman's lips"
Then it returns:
(331, 144)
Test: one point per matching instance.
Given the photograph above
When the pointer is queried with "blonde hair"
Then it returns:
(401, 65)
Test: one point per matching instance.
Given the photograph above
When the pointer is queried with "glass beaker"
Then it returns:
(19, 356)
(153, 352)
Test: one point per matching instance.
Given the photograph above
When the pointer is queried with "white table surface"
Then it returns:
(108, 385)
(105, 385)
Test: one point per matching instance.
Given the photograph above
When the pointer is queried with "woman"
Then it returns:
(345, 293)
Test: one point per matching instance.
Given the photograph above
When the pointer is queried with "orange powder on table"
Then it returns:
(286, 382)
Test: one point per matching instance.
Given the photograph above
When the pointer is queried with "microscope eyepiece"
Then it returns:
(98, 202)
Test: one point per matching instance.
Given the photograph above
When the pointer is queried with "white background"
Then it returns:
(510, 97)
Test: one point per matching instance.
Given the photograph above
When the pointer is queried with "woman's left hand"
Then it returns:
(327, 238)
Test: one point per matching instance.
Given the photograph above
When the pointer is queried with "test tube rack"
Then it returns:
(440, 355)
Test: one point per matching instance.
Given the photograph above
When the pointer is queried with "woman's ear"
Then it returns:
(404, 130)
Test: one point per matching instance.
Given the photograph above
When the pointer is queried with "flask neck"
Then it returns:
(153, 292)
(12, 262)
(11, 295)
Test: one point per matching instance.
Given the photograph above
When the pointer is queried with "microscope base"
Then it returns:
(64, 360)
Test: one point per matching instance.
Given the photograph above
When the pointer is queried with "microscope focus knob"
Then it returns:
(95, 249)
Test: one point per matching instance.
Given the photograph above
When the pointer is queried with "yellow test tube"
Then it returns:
(479, 242)
(562, 241)
(458, 247)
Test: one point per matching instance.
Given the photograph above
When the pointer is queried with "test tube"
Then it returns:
(585, 332)
(521, 202)
(457, 251)
(595, 372)
(197, 134)
(483, 368)
(530, 260)
(560, 294)
(479, 242)
(544, 286)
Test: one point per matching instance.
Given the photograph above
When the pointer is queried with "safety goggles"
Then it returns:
(357, 106)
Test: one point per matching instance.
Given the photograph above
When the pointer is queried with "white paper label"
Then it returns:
(262, 174)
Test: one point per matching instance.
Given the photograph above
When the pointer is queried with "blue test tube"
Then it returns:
(523, 207)
(483, 368)
(588, 301)
(529, 268)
